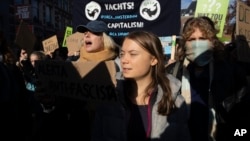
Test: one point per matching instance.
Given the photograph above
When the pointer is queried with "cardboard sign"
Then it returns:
(91, 81)
(74, 42)
(50, 44)
(243, 20)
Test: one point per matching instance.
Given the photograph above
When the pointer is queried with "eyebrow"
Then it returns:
(130, 51)
(193, 38)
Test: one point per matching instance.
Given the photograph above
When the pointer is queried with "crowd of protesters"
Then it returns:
(202, 95)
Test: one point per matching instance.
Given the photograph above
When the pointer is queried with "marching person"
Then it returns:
(211, 85)
(150, 106)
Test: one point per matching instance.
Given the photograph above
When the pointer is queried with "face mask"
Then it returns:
(199, 52)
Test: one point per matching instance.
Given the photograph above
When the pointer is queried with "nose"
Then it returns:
(124, 59)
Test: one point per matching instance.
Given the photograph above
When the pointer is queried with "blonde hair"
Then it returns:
(40, 55)
(109, 43)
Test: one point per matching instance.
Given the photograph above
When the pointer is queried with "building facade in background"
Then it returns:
(44, 17)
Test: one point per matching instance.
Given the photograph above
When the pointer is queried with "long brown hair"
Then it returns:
(151, 43)
(208, 29)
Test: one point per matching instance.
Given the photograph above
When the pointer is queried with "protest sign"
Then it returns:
(124, 16)
(243, 32)
(243, 20)
(50, 44)
(91, 81)
(168, 44)
(67, 33)
(216, 10)
(74, 42)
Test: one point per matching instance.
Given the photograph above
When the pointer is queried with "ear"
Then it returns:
(154, 61)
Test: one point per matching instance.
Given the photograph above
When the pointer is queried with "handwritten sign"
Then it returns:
(74, 42)
(216, 10)
(50, 44)
(91, 81)
(243, 20)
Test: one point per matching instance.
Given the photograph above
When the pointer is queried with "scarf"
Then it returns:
(186, 93)
(103, 55)
(186, 88)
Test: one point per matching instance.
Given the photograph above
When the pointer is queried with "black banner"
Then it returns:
(122, 16)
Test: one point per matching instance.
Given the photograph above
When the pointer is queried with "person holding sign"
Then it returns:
(211, 86)
(150, 106)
